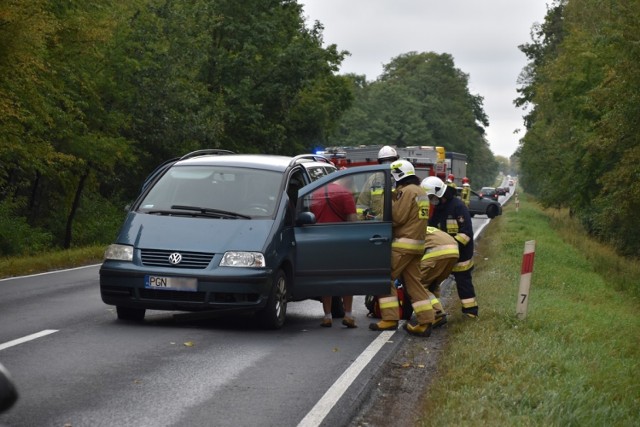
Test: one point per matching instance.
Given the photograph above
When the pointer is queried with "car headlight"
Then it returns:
(119, 252)
(242, 259)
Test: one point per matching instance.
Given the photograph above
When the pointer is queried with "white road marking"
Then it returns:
(335, 392)
(50, 272)
(27, 338)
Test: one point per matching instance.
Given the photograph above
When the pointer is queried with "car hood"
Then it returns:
(194, 234)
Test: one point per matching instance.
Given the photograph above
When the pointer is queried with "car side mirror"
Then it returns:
(8, 392)
(306, 218)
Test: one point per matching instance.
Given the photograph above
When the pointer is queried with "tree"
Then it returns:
(582, 133)
(420, 99)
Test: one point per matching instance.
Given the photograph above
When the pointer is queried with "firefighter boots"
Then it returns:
(419, 330)
(441, 319)
(384, 325)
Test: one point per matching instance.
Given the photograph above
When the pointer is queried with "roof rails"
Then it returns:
(206, 152)
(309, 158)
(169, 162)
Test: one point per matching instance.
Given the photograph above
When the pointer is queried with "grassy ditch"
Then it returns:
(572, 362)
(20, 266)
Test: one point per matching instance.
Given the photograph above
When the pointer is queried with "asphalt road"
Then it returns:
(75, 364)
(89, 369)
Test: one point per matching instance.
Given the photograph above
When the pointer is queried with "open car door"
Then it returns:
(340, 254)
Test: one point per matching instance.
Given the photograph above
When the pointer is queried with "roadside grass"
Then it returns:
(572, 362)
(19, 266)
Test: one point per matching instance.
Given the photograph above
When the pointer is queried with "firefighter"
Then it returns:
(465, 193)
(410, 212)
(451, 215)
(451, 180)
(440, 256)
(371, 199)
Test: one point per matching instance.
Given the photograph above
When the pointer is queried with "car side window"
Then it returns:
(354, 197)
(296, 182)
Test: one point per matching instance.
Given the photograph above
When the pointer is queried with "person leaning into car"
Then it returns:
(334, 203)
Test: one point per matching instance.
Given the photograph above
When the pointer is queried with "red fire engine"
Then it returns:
(427, 160)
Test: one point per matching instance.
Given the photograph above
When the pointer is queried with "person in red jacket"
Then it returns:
(334, 203)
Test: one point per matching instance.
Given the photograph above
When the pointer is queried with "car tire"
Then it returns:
(274, 314)
(492, 211)
(337, 307)
(130, 314)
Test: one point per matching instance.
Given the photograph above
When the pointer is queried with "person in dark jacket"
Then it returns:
(450, 214)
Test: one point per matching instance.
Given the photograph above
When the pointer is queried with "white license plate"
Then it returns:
(171, 283)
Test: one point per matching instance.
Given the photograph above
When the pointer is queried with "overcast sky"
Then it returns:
(481, 35)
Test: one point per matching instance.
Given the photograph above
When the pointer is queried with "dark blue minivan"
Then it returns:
(235, 232)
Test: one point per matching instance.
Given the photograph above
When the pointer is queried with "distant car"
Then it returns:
(511, 183)
(489, 192)
(502, 191)
(481, 205)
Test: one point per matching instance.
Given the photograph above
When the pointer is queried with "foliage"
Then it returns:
(420, 99)
(16, 236)
(94, 95)
(562, 365)
(583, 137)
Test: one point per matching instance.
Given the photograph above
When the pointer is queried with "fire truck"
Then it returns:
(427, 160)
(456, 164)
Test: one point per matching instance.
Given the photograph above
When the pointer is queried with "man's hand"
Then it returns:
(369, 214)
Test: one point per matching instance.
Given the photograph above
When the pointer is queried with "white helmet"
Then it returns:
(433, 185)
(387, 154)
(401, 169)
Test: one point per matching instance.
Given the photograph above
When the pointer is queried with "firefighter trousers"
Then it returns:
(406, 266)
(433, 271)
(466, 291)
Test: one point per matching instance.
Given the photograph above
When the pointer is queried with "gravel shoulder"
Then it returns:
(398, 396)
(404, 383)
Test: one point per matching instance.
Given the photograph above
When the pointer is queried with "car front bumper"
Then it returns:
(231, 289)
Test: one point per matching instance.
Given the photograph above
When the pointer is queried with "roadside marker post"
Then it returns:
(517, 203)
(525, 279)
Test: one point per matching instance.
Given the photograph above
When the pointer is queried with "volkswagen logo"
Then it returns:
(175, 258)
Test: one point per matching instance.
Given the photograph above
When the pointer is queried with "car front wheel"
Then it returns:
(273, 315)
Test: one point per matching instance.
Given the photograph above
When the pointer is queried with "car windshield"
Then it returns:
(214, 191)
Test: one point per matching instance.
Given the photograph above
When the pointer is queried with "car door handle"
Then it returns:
(378, 239)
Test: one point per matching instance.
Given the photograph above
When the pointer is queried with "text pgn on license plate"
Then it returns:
(171, 283)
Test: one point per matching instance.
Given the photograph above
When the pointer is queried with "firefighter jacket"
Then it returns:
(453, 217)
(371, 198)
(465, 194)
(410, 212)
(439, 245)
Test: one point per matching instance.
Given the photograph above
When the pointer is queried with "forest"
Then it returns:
(581, 87)
(94, 95)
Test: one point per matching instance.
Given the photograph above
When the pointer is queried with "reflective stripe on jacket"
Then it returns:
(409, 220)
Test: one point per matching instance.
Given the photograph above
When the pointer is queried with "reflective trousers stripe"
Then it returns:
(462, 238)
(463, 266)
(420, 306)
(468, 303)
(388, 302)
(440, 251)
